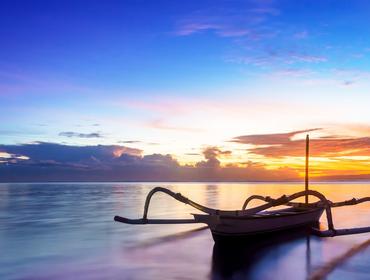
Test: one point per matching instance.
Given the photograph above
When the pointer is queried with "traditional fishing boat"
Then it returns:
(247, 222)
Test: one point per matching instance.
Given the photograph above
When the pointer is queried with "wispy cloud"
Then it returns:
(285, 145)
(71, 134)
(311, 76)
(138, 142)
(348, 83)
(130, 142)
(293, 72)
(306, 58)
(270, 139)
(280, 57)
(251, 29)
(226, 22)
(195, 27)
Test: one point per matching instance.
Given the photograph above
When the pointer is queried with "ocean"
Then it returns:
(66, 231)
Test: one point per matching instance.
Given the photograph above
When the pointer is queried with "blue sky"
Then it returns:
(176, 77)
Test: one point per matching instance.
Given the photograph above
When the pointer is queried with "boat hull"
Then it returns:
(266, 222)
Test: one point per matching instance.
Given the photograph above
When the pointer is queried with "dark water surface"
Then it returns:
(66, 231)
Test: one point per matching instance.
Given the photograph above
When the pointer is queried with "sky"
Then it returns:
(184, 90)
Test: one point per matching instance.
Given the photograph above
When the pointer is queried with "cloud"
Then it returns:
(251, 29)
(13, 158)
(56, 162)
(212, 152)
(191, 28)
(80, 135)
(51, 152)
(211, 155)
(335, 155)
(293, 72)
(130, 142)
(285, 144)
(270, 139)
(222, 29)
(307, 58)
(266, 57)
(331, 77)
(226, 22)
(348, 83)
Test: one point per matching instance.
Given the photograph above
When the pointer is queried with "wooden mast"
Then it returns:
(306, 173)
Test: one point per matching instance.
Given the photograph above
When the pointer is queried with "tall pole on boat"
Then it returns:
(306, 173)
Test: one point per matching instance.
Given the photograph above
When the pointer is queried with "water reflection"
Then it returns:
(66, 231)
(240, 259)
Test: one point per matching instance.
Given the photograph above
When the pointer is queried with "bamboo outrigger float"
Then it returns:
(258, 220)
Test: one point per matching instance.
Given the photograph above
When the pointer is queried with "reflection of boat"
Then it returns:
(257, 256)
(258, 220)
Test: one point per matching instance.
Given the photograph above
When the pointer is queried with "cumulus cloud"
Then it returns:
(51, 152)
(56, 162)
(211, 155)
(42, 161)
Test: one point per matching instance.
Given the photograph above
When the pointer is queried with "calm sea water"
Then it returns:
(66, 231)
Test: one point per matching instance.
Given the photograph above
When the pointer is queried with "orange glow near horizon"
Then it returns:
(330, 156)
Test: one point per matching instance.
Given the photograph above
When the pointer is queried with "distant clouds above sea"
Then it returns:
(331, 158)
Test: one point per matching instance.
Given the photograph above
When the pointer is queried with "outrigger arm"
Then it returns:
(270, 202)
(244, 212)
(323, 202)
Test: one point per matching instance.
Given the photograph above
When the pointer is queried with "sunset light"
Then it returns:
(190, 80)
(194, 139)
